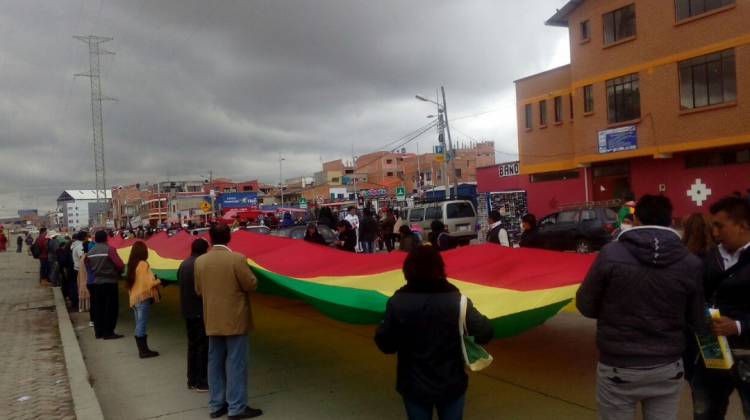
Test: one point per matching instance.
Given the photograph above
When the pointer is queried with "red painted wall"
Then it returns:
(543, 197)
(646, 174)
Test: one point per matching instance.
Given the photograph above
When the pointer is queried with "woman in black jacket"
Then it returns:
(347, 240)
(312, 235)
(420, 324)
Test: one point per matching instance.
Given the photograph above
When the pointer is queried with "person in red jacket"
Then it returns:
(44, 268)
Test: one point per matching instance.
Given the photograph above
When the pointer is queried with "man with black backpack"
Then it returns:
(40, 252)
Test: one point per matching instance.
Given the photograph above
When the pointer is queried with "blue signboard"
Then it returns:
(231, 200)
(618, 139)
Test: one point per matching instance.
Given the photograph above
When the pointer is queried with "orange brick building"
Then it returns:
(656, 99)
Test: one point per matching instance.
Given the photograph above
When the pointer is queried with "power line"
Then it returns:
(482, 113)
(191, 35)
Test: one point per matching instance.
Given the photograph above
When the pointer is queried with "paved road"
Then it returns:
(31, 358)
(306, 366)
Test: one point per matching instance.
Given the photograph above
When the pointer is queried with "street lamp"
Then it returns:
(444, 109)
(281, 180)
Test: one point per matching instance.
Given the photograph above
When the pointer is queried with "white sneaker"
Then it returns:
(91, 323)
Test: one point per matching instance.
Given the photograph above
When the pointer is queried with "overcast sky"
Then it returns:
(228, 85)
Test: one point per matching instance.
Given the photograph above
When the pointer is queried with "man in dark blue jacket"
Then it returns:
(727, 288)
(644, 290)
(191, 308)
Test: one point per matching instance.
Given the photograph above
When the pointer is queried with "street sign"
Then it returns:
(205, 206)
(302, 203)
(400, 193)
(439, 150)
(321, 199)
(439, 158)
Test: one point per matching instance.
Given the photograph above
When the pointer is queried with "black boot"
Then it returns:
(143, 350)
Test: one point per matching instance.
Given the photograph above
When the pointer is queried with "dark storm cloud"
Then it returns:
(308, 79)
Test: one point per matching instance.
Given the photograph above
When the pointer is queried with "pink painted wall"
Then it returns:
(543, 197)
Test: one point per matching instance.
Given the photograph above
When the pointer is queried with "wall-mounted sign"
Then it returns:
(618, 139)
(509, 169)
(229, 190)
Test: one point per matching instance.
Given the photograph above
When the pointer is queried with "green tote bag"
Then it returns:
(475, 357)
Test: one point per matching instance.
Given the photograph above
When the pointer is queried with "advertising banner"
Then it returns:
(232, 200)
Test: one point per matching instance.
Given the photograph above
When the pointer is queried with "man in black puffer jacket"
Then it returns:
(644, 290)
(727, 288)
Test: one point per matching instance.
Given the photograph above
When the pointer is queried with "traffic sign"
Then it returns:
(205, 206)
(321, 199)
(438, 150)
(439, 158)
(400, 192)
(302, 203)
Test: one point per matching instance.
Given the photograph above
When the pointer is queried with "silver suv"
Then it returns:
(458, 216)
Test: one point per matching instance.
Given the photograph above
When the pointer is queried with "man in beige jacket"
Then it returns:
(224, 280)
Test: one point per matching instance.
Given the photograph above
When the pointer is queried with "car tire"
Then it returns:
(583, 246)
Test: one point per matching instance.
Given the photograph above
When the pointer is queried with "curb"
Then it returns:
(85, 402)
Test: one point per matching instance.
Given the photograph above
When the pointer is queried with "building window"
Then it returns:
(684, 9)
(623, 99)
(585, 30)
(619, 24)
(335, 180)
(708, 80)
(588, 98)
(389, 161)
(554, 176)
(543, 112)
(458, 173)
(700, 160)
(558, 109)
(247, 188)
(389, 174)
(528, 115)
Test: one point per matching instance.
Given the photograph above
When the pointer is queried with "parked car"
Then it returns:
(298, 232)
(458, 216)
(583, 230)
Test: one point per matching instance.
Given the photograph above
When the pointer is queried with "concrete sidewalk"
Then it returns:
(306, 366)
(33, 378)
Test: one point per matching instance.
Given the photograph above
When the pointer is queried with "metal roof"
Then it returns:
(561, 17)
(82, 195)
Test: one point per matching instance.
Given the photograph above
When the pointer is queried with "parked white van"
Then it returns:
(458, 216)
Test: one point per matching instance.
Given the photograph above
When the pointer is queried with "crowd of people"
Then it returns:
(651, 290)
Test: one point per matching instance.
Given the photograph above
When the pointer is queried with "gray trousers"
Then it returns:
(619, 390)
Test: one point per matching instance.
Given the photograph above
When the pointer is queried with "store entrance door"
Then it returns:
(610, 181)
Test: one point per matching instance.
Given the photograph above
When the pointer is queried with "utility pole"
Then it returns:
(354, 174)
(96, 110)
(281, 180)
(419, 172)
(450, 144)
(444, 164)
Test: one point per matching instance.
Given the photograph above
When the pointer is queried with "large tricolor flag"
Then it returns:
(516, 288)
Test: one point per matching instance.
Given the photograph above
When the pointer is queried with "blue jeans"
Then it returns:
(712, 388)
(227, 372)
(367, 246)
(141, 310)
(451, 410)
